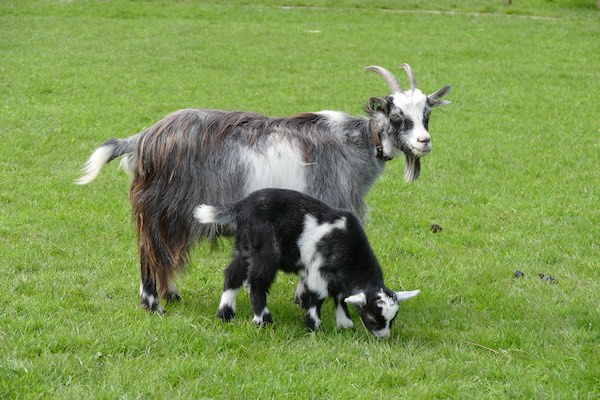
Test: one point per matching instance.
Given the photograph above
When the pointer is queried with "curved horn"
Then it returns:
(388, 76)
(411, 76)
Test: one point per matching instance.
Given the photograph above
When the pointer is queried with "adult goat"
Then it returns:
(213, 157)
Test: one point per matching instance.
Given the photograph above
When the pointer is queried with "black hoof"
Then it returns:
(153, 307)
(311, 324)
(226, 313)
(172, 297)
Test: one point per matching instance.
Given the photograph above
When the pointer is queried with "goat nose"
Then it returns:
(424, 139)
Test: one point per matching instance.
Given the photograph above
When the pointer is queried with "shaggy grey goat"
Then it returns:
(215, 157)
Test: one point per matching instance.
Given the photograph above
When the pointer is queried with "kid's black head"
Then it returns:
(378, 308)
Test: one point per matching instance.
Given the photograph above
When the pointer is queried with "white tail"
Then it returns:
(92, 167)
(205, 214)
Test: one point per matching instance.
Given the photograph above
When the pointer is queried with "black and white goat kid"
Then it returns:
(216, 157)
(278, 229)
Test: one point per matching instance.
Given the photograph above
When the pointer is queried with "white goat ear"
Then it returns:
(403, 296)
(434, 98)
(357, 299)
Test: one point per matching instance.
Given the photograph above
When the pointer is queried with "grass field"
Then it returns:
(513, 179)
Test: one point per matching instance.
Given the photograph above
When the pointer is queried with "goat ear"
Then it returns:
(434, 98)
(357, 299)
(377, 104)
(403, 296)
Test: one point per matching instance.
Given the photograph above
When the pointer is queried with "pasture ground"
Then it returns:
(513, 180)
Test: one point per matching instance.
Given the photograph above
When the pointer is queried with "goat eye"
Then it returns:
(396, 116)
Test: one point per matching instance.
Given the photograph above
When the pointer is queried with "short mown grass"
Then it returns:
(513, 180)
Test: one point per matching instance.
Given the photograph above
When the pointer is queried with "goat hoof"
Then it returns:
(263, 320)
(311, 324)
(226, 313)
(150, 302)
(172, 297)
(154, 307)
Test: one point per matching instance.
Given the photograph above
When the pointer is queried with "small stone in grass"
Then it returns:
(435, 228)
(547, 278)
(519, 274)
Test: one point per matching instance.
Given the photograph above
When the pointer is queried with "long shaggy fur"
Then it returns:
(201, 156)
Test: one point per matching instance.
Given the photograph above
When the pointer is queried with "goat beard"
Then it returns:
(413, 167)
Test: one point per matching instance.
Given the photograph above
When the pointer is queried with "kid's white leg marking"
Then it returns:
(315, 317)
(341, 319)
(300, 290)
(310, 258)
(246, 285)
(228, 299)
(260, 319)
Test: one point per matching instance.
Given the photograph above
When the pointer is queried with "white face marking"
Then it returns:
(280, 165)
(228, 299)
(412, 104)
(309, 256)
(383, 333)
(389, 310)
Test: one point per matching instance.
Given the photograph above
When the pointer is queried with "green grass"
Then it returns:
(513, 179)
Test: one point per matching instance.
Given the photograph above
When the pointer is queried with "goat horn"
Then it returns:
(388, 76)
(411, 76)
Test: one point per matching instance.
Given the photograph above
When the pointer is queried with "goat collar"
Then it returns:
(378, 145)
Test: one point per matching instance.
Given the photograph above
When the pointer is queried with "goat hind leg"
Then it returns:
(148, 294)
(235, 274)
(259, 282)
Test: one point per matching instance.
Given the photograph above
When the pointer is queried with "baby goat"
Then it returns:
(278, 229)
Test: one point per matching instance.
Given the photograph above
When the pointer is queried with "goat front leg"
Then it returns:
(342, 315)
(313, 317)
(301, 296)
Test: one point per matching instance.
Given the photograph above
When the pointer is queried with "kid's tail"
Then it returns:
(222, 215)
